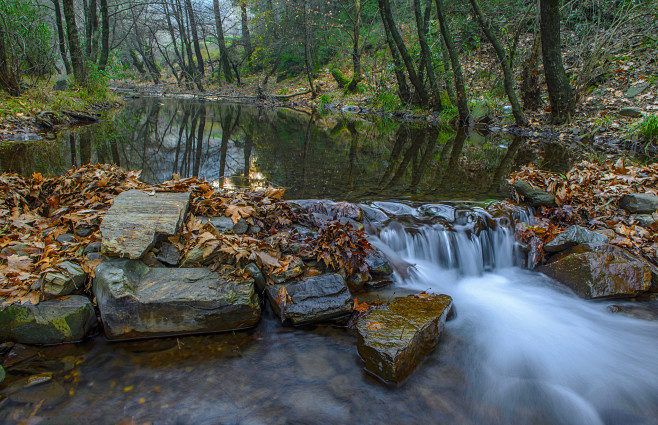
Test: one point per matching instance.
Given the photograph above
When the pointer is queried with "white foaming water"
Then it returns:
(534, 348)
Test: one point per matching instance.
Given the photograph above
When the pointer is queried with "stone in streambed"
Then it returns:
(314, 299)
(575, 235)
(535, 197)
(631, 112)
(603, 273)
(394, 340)
(69, 280)
(639, 203)
(137, 301)
(49, 322)
(136, 219)
(377, 264)
(294, 269)
(169, 254)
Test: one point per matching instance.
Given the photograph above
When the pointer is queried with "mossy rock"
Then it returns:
(68, 319)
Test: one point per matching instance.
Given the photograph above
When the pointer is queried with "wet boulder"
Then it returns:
(137, 219)
(70, 279)
(603, 273)
(534, 196)
(394, 340)
(639, 203)
(138, 301)
(575, 235)
(68, 319)
(313, 299)
(377, 264)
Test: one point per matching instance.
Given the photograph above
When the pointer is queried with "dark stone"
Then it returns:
(295, 269)
(96, 256)
(137, 219)
(394, 340)
(357, 281)
(259, 279)
(61, 85)
(138, 301)
(168, 254)
(644, 220)
(49, 322)
(221, 224)
(378, 265)
(631, 112)
(16, 249)
(66, 238)
(241, 227)
(639, 203)
(636, 90)
(314, 299)
(83, 231)
(195, 257)
(50, 394)
(71, 279)
(575, 235)
(92, 247)
(534, 197)
(604, 273)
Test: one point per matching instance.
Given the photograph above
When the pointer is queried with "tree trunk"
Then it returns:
(508, 77)
(105, 36)
(195, 38)
(560, 93)
(308, 40)
(421, 93)
(530, 88)
(460, 88)
(91, 30)
(223, 51)
(8, 79)
(60, 37)
(246, 37)
(356, 51)
(77, 57)
(403, 88)
(426, 54)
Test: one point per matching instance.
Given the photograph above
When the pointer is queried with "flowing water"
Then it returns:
(521, 350)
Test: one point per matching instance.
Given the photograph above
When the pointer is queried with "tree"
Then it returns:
(60, 36)
(223, 51)
(560, 93)
(77, 58)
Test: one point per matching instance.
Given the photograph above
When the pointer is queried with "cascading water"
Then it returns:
(536, 352)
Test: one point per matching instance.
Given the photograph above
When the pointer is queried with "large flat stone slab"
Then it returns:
(575, 235)
(67, 319)
(136, 219)
(313, 299)
(394, 340)
(137, 301)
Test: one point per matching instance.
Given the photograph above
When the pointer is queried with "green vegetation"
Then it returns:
(647, 129)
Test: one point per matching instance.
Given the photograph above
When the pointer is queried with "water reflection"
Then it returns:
(313, 156)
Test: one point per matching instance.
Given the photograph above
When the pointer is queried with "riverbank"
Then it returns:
(46, 108)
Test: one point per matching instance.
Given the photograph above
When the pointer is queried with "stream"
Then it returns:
(521, 349)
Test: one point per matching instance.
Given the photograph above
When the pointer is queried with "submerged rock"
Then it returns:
(137, 301)
(604, 273)
(642, 203)
(394, 340)
(313, 299)
(535, 197)
(575, 235)
(136, 219)
(49, 322)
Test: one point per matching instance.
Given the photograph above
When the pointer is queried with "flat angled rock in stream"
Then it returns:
(575, 235)
(136, 219)
(601, 274)
(137, 301)
(314, 299)
(642, 203)
(50, 322)
(394, 340)
(70, 280)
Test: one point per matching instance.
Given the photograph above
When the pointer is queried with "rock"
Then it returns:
(480, 112)
(5, 347)
(394, 340)
(357, 281)
(259, 279)
(96, 256)
(195, 258)
(66, 238)
(168, 254)
(2, 374)
(295, 268)
(640, 203)
(83, 231)
(644, 220)
(534, 196)
(241, 227)
(92, 247)
(61, 85)
(19, 353)
(575, 235)
(137, 301)
(372, 214)
(378, 265)
(49, 394)
(49, 322)
(150, 260)
(221, 224)
(136, 219)
(631, 112)
(70, 280)
(602, 273)
(636, 90)
(315, 299)
(255, 229)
